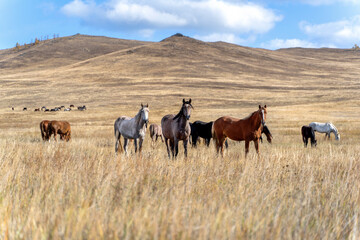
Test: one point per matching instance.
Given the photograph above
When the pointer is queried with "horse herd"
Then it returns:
(55, 109)
(177, 127)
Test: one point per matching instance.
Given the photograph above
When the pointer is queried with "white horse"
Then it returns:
(326, 128)
(132, 128)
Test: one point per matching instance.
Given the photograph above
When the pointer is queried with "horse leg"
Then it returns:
(221, 143)
(140, 144)
(207, 142)
(135, 143)
(256, 142)
(247, 144)
(305, 140)
(176, 147)
(162, 139)
(226, 144)
(172, 148)
(117, 141)
(167, 146)
(125, 145)
(185, 148)
(261, 139)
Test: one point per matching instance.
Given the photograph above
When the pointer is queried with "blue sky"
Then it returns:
(270, 24)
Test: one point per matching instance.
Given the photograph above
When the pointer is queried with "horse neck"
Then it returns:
(183, 122)
(254, 120)
(139, 121)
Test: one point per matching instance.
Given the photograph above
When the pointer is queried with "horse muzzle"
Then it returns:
(188, 117)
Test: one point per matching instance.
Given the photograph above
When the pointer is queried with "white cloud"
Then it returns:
(201, 16)
(342, 33)
(147, 33)
(225, 37)
(291, 43)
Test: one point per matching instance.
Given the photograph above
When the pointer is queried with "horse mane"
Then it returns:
(251, 114)
(179, 114)
(138, 117)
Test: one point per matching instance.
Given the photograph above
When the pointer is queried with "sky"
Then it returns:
(270, 24)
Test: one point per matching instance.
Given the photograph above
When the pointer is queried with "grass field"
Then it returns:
(81, 190)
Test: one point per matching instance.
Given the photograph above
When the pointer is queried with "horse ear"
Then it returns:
(259, 106)
(147, 105)
(183, 100)
(142, 105)
(265, 106)
(190, 100)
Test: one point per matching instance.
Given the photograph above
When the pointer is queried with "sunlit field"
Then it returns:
(81, 190)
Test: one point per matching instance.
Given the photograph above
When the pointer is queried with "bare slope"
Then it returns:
(116, 71)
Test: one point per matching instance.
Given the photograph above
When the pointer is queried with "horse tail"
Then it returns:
(117, 135)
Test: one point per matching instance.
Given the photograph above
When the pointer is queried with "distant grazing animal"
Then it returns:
(24, 109)
(176, 128)
(307, 132)
(201, 129)
(61, 107)
(44, 129)
(59, 127)
(267, 133)
(13, 108)
(155, 132)
(53, 110)
(248, 129)
(43, 108)
(72, 106)
(67, 109)
(82, 108)
(37, 110)
(326, 128)
(131, 128)
(47, 110)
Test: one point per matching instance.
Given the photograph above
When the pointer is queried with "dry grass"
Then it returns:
(80, 190)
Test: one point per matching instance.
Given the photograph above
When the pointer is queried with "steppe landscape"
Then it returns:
(81, 190)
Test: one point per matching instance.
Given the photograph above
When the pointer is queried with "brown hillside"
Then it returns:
(116, 71)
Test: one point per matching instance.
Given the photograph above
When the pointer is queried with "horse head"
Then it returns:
(263, 112)
(145, 113)
(186, 108)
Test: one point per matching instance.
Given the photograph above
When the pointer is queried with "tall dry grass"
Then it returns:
(80, 190)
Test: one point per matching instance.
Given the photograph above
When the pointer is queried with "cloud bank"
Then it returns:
(206, 17)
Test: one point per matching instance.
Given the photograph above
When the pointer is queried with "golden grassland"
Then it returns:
(81, 190)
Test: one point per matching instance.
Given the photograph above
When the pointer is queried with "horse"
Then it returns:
(267, 133)
(326, 128)
(132, 128)
(248, 129)
(201, 129)
(82, 108)
(59, 127)
(37, 110)
(176, 128)
(155, 132)
(67, 109)
(25, 109)
(72, 105)
(44, 130)
(308, 132)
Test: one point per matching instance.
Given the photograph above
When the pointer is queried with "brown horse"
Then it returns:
(248, 129)
(176, 128)
(60, 127)
(155, 132)
(44, 129)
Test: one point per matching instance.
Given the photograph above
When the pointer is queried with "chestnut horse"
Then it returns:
(248, 129)
(155, 132)
(176, 128)
(44, 129)
(59, 127)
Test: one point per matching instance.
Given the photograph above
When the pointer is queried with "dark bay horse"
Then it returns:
(176, 128)
(308, 132)
(246, 129)
(59, 127)
(265, 130)
(201, 129)
(44, 129)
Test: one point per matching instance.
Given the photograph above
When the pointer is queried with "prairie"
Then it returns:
(81, 190)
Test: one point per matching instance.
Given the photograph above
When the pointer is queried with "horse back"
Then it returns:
(166, 126)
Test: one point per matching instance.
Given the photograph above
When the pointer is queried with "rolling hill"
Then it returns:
(105, 71)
